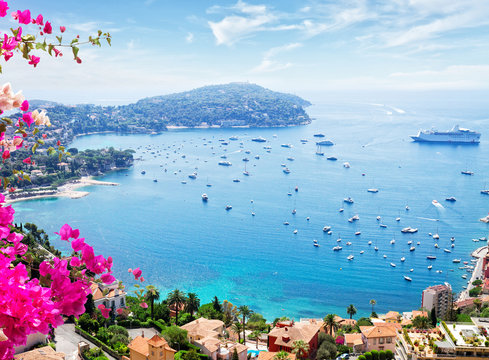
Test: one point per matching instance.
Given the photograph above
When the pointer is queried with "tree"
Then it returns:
(216, 304)
(175, 336)
(90, 305)
(373, 302)
(281, 355)
(434, 320)
(330, 323)
(235, 354)
(191, 355)
(152, 294)
(300, 348)
(389, 355)
(193, 303)
(421, 322)
(244, 311)
(478, 304)
(256, 334)
(351, 310)
(375, 355)
(236, 328)
(176, 298)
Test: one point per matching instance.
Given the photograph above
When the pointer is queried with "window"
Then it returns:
(381, 340)
(389, 340)
(152, 353)
(375, 341)
(161, 353)
(122, 301)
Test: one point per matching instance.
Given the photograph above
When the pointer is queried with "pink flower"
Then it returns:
(9, 43)
(144, 305)
(137, 273)
(107, 278)
(129, 270)
(27, 160)
(24, 17)
(18, 37)
(27, 117)
(6, 155)
(66, 232)
(24, 106)
(78, 244)
(57, 52)
(39, 20)
(142, 279)
(34, 60)
(3, 11)
(75, 262)
(120, 311)
(7, 55)
(62, 29)
(48, 28)
(104, 310)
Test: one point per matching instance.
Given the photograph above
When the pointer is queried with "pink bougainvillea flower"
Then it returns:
(24, 17)
(9, 43)
(44, 136)
(78, 244)
(34, 60)
(7, 55)
(142, 279)
(39, 20)
(6, 155)
(75, 262)
(107, 278)
(129, 270)
(104, 310)
(18, 37)
(144, 305)
(137, 273)
(48, 28)
(66, 232)
(62, 29)
(78, 60)
(57, 52)
(27, 160)
(27, 117)
(58, 143)
(17, 142)
(120, 311)
(3, 8)
(12, 189)
(24, 106)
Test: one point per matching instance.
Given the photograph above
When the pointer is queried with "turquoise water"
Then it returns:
(181, 242)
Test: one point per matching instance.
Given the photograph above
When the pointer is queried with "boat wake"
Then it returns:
(425, 218)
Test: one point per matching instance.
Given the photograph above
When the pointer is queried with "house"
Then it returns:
(31, 341)
(354, 341)
(379, 337)
(218, 349)
(202, 328)
(111, 295)
(391, 317)
(284, 334)
(267, 355)
(43, 353)
(156, 348)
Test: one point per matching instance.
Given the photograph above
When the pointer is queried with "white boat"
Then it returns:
(358, 233)
(348, 200)
(373, 190)
(325, 143)
(378, 218)
(205, 197)
(337, 248)
(407, 278)
(346, 165)
(341, 210)
(228, 207)
(361, 252)
(455, 135)
(383, 226)
(286, 145)
(370, 243)
(294, 212)
(393, 241)
(430, 267)
(464, 276)
(393, 265)
(385, 256)
(409, 242)
(411, 270)
(456, 261)
(286, 171)
(326, 228)
(236, 180)
(403, 259)
(286, 223)
(431, 257)
(412, 248)
(259, 139)
(295, 231)
(319, 135)
(409, 230)
(376, 248)
(348, 243)
(436, 236)
(224, 163)
(467, 172)
(447, 250)
(350, 257)
(398, 219)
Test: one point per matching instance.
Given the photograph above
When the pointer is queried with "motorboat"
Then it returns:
(259, 139)
(357, 233)
(393, 265)
(294, 211)
(332, 158)
(325, 143)
(286, 145)
(407, 278)
(370, 242)
(143, 172)
(436, 236)
(286, 223)
(193, 176)
(228, 207)
(378, 218)
(346, 165)
(412, 248)
(393, 241)
(295, 231)
(236, 180)
(383, 226)
(451, 199)
(337, 248)
(326, 228)
(431, 257)
(361, 252)
(467, 172)
(456, 261)
(341, 210)
(205, 197)
(398, 219)
(373, 190)
(403, 259)
(348, 243)
(447, 250)
(319, 135)
(430, 267)
(348, 200)
(286, 171)
(409, 230)
(224, 163)
(350, 257)
(464, 276)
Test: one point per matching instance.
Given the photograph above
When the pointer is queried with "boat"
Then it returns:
(246, 159)
(430, 267)
(451, 199)
(296, 189)
(193, 175)
(370, 242)
(373, 190)
(316, 244)
(348, 243)
(376, 248)
(337, 248)
(326, 228)
(431, 257)
(393, 265)
(225, 163)
(403, 259)
(205, 197)
(455, 135)
(325, 143)
(295, 231)
(286, 145)
(294, 211)
(378, 218)
(398, 219)
(155, 180)
(411, 270)
(286, 223)
(341, 210)
(257, 157)
(456, 261)
(259, 139)
(393, 241)
(236, 180)
(357, 233)
(228, 207)
(467, 172)
(319, 135)
(332, 158)
(143, 172)
(286, 171)
(383, 225)
(350, 257)
(304, 140)
(348, 200)
(346, 165)
(409, 230)
(436, 236)
(409, 242)
(407, 278)
(246, 173)
(290, 158)
(412, 248)
(385, 256)
(361, 252)
(485, 192)
(233, 137)
(447, 250)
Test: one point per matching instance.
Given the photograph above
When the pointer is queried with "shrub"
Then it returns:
(421, 347)
(116, 329)
(486, 343)
(103, 335)
(342, 349)
(389, 355)
(477, 282)
(474, 292)
(362, 357)
(119, 338)
(375, 355)
(382, 355)
(368, 355)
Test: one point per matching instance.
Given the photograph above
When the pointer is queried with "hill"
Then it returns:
(235, 104)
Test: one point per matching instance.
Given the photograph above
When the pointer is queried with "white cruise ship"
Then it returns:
(455, 135)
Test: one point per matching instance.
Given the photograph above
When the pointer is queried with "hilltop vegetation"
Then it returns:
(235, 104)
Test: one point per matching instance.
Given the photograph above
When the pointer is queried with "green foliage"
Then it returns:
(185, 318)
(364, 322)
(477, 282)
(368, 355)
(95, 354)
(235, 355)
(421, 322)
(322, 337)
(433, 318)
(190, 355)
(209, 311)
(176, 337)
(382, 355)
(342, 349)
(119, 338)
(257, 322)
(375, 354)
(485, 313)
(116, 329)
(283, 318)
(463, 318)
(476, 291)
(454, 340)
(88, 324)
(103, 335)
(389, 355)
(362, 357)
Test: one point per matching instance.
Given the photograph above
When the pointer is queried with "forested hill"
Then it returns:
(235, 104)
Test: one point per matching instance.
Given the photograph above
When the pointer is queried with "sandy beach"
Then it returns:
(67, 190)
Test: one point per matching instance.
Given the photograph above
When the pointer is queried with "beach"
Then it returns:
(67, 190)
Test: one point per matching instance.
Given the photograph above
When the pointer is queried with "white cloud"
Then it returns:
(270, 64)
(189, 38)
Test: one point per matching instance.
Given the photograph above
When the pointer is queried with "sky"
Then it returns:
(306, 47)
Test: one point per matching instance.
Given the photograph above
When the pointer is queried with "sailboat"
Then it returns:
(318, 151)
(245, 172)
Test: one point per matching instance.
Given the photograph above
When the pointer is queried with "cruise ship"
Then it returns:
(455, 135)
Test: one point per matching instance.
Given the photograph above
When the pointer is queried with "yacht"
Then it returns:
(286, 171)
(431, 257)
(393, 265)
(228, 207)
(259, 139)
(409, 230)
(373, 190)
(225, 163)
(205, 197)
(412, 248)
(193, 176)
(455, 135)
(295, 231)
(346, 165)
(485, 192)
(370, 242)
(393, 241)
(361, 252)
(436, 236)
(464, 276)
(294, 211)
(332, 158)
(290, 158)
(383, 226)
(447, 250)
(407, 278)
(337, 248)
(467, 172)
(286, 145)
(326, 228)
(155, 180)
(319, 135)
(325, 143)
(143, 172)
(348, 200)
(451, 199)
(350, 257)
(348, 243)
(341, 210)
(236, 180)
(286, 223)
(378, 218)
(403, 259)
(357, 233)
(398, 219)
(430, 267)
(456, 261)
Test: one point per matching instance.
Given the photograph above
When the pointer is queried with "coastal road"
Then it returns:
(480, 254)
(67, 342)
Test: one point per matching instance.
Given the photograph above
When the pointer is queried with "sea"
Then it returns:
(181, 242)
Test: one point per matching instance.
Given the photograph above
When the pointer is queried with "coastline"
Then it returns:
(479, 254)
(67, 190)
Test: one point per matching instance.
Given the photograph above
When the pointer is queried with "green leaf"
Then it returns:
(75, 40)
(28, 37)
(108, 41)
(75, 51)
(61, 148)
(0, 69)
(67, 153)
(6, 181)
(25, 51)
(50, 49)
(26, 177)
(60, 156)
(40, 141)
(99, 32)
(34, 147)
(36, 130)
(60, 38)
(8, 120)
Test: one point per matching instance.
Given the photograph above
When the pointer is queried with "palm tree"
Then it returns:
(193, 303)
(236, 327)
(351, 310)
(300, 348)
(281, 355)
(256, 334)
(152, 294)
(373, 302)
(245, 312)
(176, 298)
(330, 322)
(478, 304)
(421, 322)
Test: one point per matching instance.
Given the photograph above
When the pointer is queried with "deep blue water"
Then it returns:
(181, 242)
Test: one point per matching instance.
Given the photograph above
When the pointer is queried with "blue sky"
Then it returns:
(304, 47)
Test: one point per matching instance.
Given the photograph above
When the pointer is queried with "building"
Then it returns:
(202, 328)
(391, 317)
(156, 348)
(438, 297)
(379, 337)
(284, 334)
(266, 355)
(108, 294)
(354, 341)
(43, 353)
(408, 316)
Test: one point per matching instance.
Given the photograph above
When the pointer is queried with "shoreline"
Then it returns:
(67, 190)
(479, 254)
